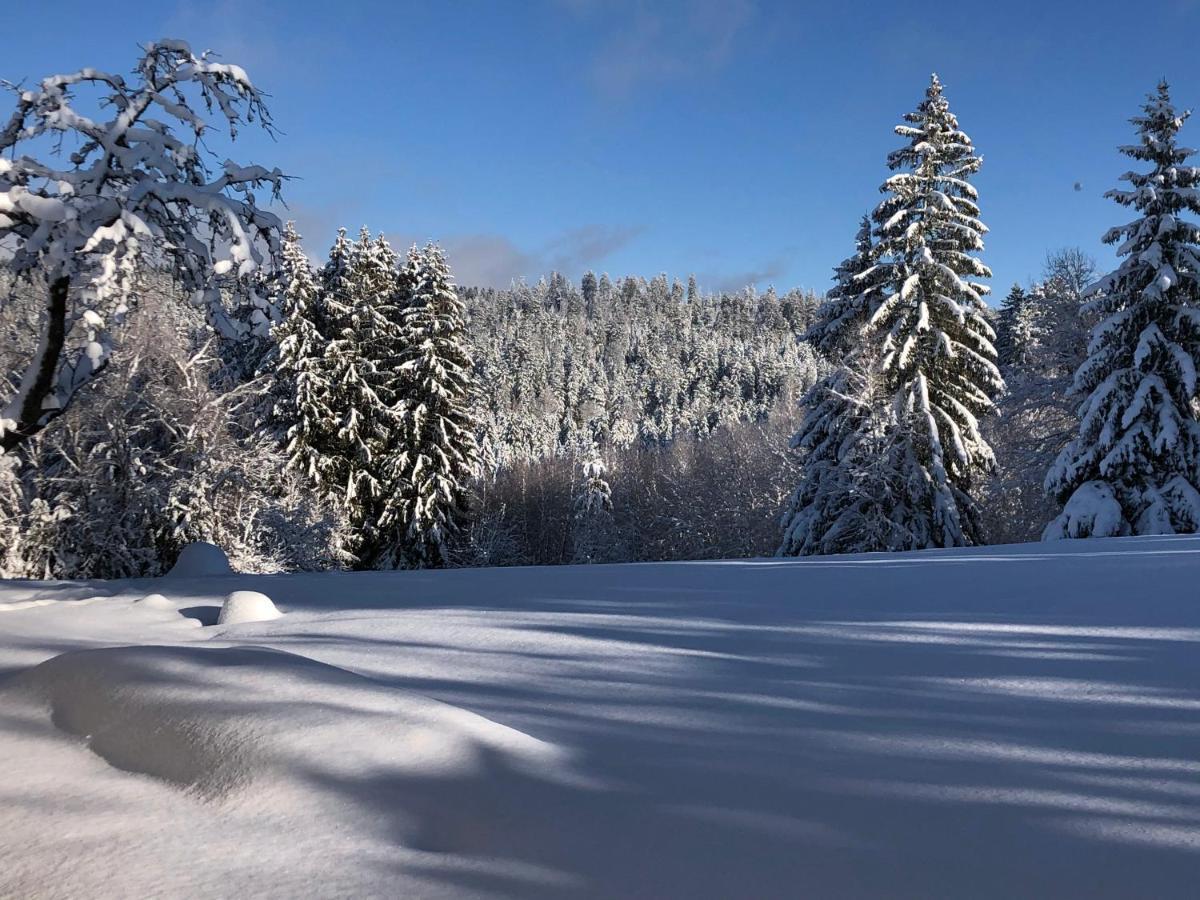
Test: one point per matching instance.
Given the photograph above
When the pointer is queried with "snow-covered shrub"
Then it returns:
(160, 455)
(241, 607)
(200, 559)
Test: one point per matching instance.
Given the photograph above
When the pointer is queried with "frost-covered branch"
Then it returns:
(137, 187)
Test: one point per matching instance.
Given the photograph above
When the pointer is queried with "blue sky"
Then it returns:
(736, 139)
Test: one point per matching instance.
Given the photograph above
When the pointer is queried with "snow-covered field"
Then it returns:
(997, 722)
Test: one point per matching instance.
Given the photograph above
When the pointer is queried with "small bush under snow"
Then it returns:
(247, 606)
(199, 559)
(155, 601)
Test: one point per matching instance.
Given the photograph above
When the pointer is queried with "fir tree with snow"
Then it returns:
(1134, 467)
(848, 492)
(593, 524)
(934, 353)
(858, 280)
(302, 414)
(348, 372)
(435, 454)
(891, 444)
(359, 310)
(836, 437)
(1016, 328)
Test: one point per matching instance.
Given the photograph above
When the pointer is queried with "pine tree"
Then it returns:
(589, 288)
(1015, 328)
(593, 525)
(302, 415)
(858, 280)
(436, 456)
(935, 356)
(1135, 465)
(831, 509)
(359, 309)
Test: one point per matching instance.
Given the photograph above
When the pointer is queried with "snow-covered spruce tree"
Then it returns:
(134, 187)
(837, 436)
(858, 281)
(593, 531)
(848, 492)
(935, 355)
(1016, 328)
(1135, 466)
(360, 307)
(302, 417)
(435, 455)
(344, 473)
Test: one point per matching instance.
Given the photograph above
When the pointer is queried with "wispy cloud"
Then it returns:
(492, 260)
(765, 273)
(646, 44)
(487, 260)
(579, 248)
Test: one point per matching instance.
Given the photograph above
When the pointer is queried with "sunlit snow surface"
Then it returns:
(1000, 722)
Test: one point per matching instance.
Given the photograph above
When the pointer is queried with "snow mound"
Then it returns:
(213, 719)
(155, 601)
(200, 559)
(247, 606)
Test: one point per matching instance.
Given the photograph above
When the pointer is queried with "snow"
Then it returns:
(247, 606)
(986, 722)
(199, 559)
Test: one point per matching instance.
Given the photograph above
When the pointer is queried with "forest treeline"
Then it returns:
(178, 369)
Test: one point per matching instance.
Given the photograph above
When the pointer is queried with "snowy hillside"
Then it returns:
(995, 722)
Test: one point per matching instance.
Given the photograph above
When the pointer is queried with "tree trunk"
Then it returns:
(39, 377)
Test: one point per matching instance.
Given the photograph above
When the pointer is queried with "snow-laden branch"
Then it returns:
(137, 186)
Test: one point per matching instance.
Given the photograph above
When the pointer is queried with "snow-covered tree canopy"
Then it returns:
(1135, 466)
(83, 198)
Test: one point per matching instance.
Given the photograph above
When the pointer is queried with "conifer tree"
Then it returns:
(1015, 328)
(1135, 466)
(588, 288)
(935, 353)
(302, 414)
(832, 508)
(359, 311)
(593, 525)
(891, 443)
(858, 280)
(436, 452)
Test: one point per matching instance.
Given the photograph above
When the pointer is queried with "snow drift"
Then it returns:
(211, 718)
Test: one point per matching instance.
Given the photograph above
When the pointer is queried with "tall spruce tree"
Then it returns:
(1015, 328)
(358, 309)
(1135, 465)
(935, 353)
(834, 508)
(891, 444)
(435, 456)
(302, 415)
